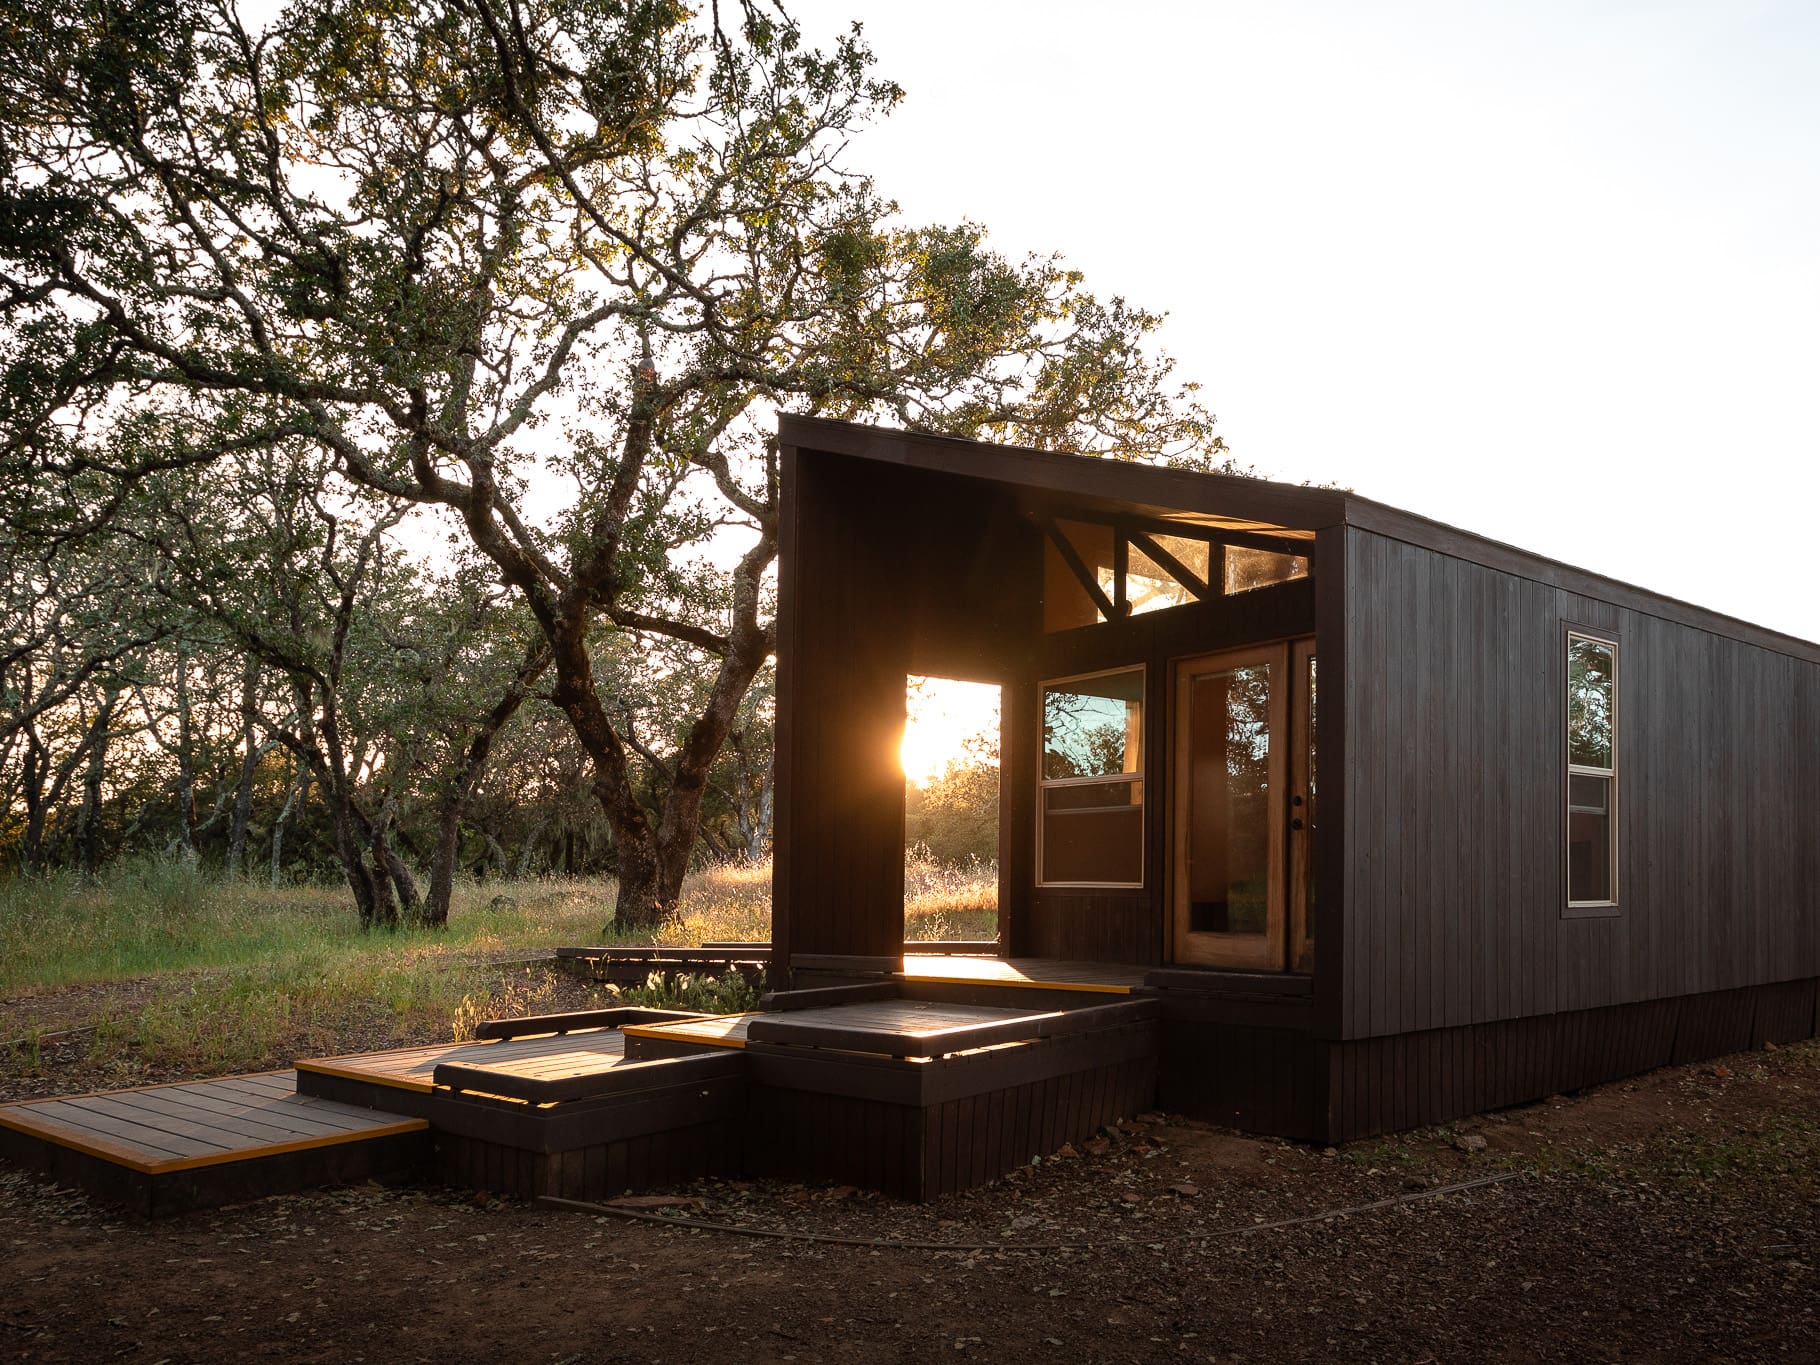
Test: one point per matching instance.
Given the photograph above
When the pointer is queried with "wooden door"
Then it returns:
(1241, 808)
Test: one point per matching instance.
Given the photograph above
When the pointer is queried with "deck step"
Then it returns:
(171, 1148)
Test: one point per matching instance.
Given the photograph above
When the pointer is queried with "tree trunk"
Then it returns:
(461, 788)
(372, 889)
(299, 787)
(444, 859)
(767, 805)
(32, 784)
(186, 760)
(88, 831)
(403, 886)
(249, 764)
(529, 851)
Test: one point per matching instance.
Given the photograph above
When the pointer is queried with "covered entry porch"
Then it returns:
(1157, 638)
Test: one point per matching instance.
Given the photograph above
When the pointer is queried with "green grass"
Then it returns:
(243, 974)
(157, 916)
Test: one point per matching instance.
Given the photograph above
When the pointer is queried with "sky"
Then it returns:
(1547, 272)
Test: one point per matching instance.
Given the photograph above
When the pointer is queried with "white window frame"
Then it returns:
(1043, 784)
(1609, 905)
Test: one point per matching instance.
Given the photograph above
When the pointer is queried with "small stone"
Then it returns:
(1130, 1197)
(1470, 1142)
(1185, 1189)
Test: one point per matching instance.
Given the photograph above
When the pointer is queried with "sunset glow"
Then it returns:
(942, 717)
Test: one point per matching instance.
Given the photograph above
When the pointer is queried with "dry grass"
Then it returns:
(949, 901)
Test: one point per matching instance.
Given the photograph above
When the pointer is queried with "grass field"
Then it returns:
(230, 974)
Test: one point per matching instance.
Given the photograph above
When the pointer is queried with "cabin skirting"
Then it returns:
(596, 1170)
(1284, 1082)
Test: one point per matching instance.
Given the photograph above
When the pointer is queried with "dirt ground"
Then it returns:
(1671, 1217)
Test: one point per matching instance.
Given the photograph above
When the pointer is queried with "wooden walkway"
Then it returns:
(199, 1144)
(200, 1123)
(548, 1057)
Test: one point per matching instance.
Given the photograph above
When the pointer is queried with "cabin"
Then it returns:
(1395, 822)
(1317, 819)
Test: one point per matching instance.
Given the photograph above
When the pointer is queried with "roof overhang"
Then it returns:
(1048, 483)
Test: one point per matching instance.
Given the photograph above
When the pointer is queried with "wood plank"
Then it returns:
(228, 1128)
(107, 1114)
(300, 1115)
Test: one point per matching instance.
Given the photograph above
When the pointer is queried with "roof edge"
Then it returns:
(1379, 518)
(1293, 506)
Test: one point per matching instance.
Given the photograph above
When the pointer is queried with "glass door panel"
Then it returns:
(1228, 887)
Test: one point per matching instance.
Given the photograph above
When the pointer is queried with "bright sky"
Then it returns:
(942, 715)
(1549, 272)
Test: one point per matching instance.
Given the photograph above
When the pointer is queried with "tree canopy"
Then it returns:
(544, 269)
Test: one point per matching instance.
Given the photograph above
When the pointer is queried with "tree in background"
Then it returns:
(396, 682)
(545, 267)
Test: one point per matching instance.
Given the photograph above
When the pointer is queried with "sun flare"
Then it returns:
(945, 721)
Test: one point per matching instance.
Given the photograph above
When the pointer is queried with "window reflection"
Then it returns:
(1590, 688)
(1592, 775)
(1229, 795)
(1091, 831)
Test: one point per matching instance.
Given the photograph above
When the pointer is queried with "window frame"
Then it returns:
(1611, 905)
(1139, 778)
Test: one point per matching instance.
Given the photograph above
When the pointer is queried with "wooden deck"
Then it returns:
(414, 1068)
(597, 1102)
(199, 1123)
(167, 1148)
(912, 1021)
(1038, 973)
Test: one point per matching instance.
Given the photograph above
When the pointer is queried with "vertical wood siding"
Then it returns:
(884, 573)
(1454, 803)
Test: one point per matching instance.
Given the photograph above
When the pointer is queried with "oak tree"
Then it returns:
(548, 267)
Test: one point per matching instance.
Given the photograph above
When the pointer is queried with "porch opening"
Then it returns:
(951, 793)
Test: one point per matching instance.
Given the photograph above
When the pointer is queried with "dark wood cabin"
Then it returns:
(1402, 823)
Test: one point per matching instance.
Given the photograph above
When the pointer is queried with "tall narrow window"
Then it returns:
(1090, 829)
(1592, 771)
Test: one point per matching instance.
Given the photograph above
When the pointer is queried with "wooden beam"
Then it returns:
(1071, 557)
(1220, 535)
(1121, 565)
(1173, 566)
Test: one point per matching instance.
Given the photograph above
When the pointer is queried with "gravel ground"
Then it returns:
(1672, 1217)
